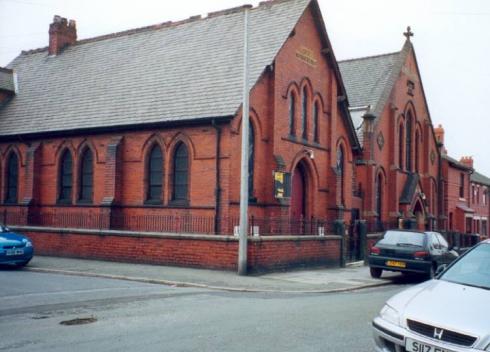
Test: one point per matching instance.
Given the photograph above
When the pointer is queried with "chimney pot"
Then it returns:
(61, 34)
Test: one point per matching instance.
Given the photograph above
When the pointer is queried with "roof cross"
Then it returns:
(408, 33)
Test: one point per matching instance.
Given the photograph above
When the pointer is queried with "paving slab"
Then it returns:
(317, 280)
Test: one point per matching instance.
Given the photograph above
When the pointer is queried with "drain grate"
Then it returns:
(79, 321)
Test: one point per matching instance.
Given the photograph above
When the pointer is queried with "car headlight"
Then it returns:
(27, 242)
(390, 314)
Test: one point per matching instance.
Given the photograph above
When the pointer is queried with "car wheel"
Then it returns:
(375, 272)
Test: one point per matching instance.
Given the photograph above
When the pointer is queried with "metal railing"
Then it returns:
(101, 219)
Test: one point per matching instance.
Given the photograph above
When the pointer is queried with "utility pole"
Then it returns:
(242, 242)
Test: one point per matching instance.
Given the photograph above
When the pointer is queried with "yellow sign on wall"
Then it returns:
(306, 55)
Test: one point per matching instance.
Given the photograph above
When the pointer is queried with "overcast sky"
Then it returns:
(452, 43)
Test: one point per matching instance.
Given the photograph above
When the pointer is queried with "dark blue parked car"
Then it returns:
(15, 249)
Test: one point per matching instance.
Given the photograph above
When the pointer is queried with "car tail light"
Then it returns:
(421, 254)
(375, 250)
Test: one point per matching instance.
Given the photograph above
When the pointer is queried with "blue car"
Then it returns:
(15, 249)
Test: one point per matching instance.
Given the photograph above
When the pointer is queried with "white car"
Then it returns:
(447, 314)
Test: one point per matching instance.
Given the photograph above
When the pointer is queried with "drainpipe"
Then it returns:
(217, 190)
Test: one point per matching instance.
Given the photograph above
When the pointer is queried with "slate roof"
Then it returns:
(456, 162)
(365, 78)
(479, 178)
(6, 80)
(369, 82)
(175, 72)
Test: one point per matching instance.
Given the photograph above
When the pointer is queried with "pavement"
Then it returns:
(322, 280)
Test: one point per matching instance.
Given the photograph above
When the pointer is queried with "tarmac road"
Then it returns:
(132, 316)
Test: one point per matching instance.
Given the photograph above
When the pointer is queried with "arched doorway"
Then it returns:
(298, 193)
(418, 211)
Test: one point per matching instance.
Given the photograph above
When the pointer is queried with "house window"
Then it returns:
(484, 228)
(473, 194)
(304, 109)
(86, 177)
(292, 109)
(65, 178)
(461, 185)
(484, 197)
(12, 179)
(251, 160)
(181, 173)
(315, 122)
(408, 143)
(155, 175)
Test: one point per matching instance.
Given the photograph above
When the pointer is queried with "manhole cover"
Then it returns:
(79, 321)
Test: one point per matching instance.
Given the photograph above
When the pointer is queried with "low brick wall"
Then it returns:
(200, 251)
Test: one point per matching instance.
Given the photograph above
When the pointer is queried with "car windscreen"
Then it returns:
(473, 269)
(403, 238)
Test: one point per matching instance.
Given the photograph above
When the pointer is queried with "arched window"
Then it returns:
(292, 109)
(400, 146)
(408, 142)
(155, 175)
(181, 173)
(341, 171)
(417, 148)
(304, 113)
(251, 160)
(65, 178)
(86, 177)
(379, 197)
(12, 179)
(315, 122)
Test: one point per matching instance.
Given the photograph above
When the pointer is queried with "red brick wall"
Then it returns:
(214, 252)
(386, 157)
(452, 197)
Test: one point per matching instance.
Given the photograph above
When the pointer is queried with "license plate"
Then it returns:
(417, 346)
(15, 251)
(396, 264)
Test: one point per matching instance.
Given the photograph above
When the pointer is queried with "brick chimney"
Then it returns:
(61, 34)
(439, 132)
(467, 160)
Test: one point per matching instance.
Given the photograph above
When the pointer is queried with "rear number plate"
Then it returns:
(396, 264)
(15, 251)
(416, 346)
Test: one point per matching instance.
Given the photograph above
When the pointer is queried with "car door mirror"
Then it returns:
(440, 269)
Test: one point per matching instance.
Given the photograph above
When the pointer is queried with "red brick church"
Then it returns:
(127, 146)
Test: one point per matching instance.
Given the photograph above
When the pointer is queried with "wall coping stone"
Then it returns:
(182, 236)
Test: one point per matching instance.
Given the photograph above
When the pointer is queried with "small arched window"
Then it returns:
(12, 179)
(292, 117)
(408, 142)
(400, 146)
(341, 171)
(181, 173)
(379, 196)
(65, 178)
(155, 175)
(251, 160)
(417, 150)
(86, 177)
(315, 122)
(304, 113)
